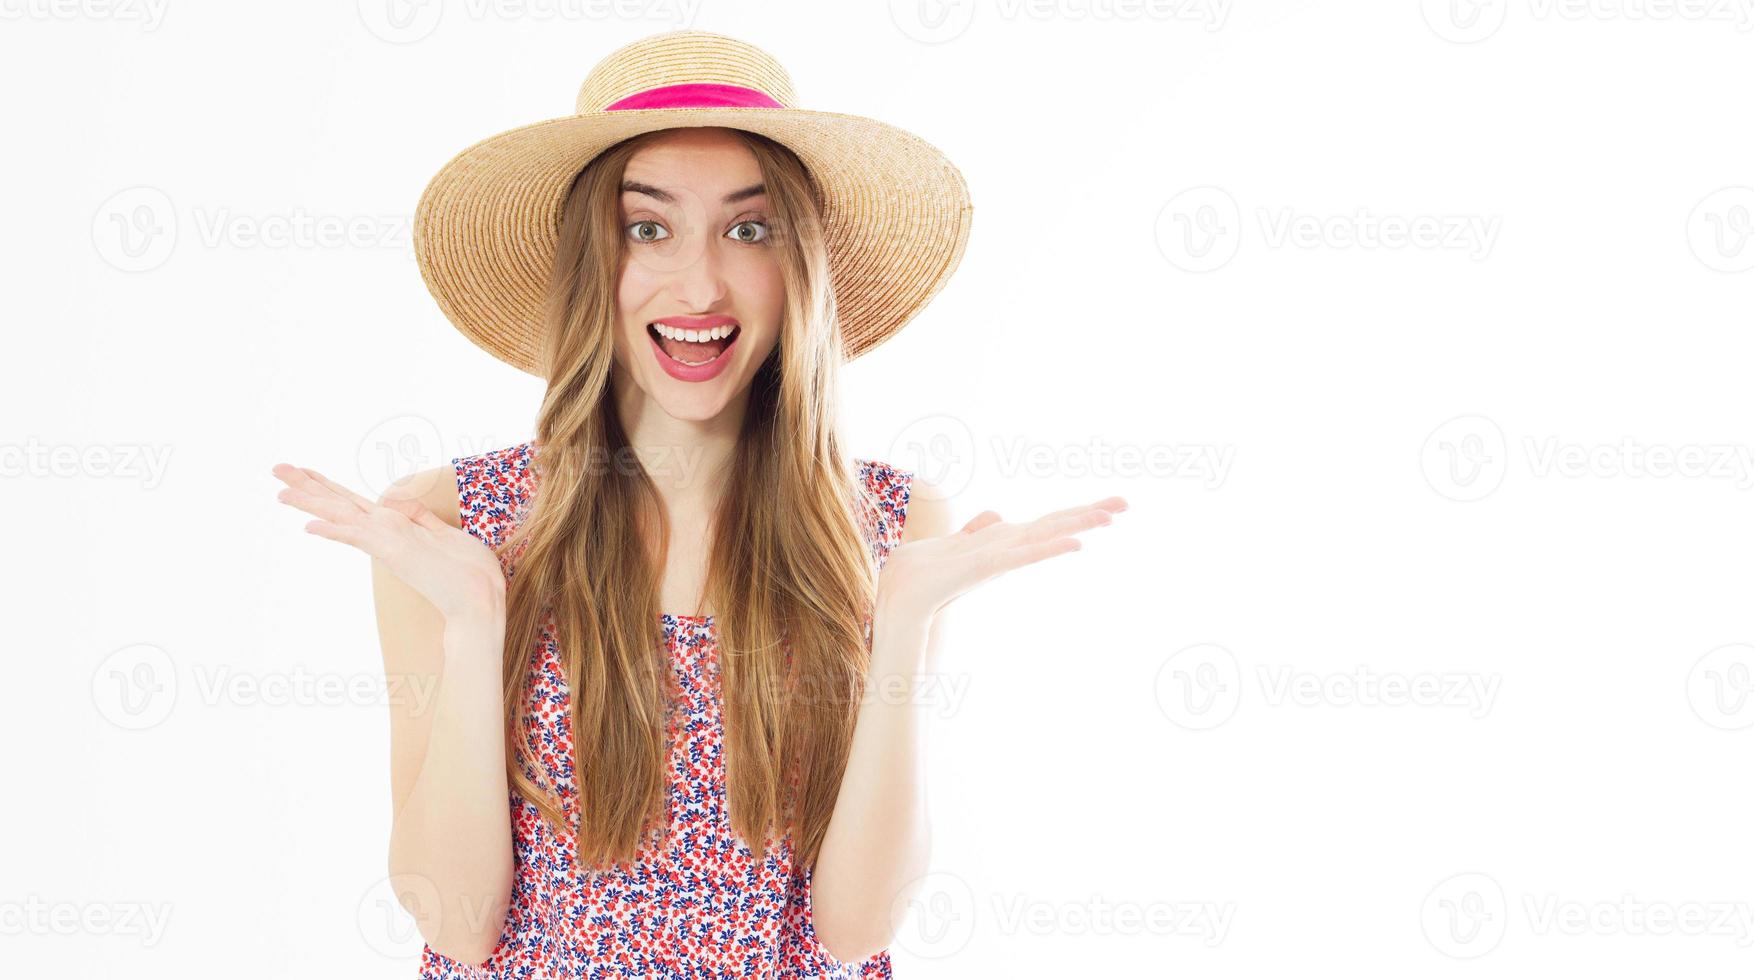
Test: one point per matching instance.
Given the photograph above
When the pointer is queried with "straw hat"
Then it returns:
(896, 210)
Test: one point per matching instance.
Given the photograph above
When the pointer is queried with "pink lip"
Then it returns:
(693, 372)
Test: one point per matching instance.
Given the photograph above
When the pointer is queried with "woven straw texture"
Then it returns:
(896, 211)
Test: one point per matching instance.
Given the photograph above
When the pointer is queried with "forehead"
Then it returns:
(706, 162)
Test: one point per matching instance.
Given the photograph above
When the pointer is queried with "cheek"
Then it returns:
(635, 286)
(635, 295)
(762, 289)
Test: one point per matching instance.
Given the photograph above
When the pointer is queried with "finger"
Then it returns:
(1028, 554)
(416, 511)
(1111, 504)
(1057, 519)
(321, 503)
(1009, 558)
(985, 518)
(1081, 519)
(346, 534)
(357, 500)
(1063, 512)
(299, 479)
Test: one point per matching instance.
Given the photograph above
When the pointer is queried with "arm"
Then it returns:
(878, 842)
(450, 842)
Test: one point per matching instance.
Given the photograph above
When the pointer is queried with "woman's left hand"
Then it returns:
(925, 576)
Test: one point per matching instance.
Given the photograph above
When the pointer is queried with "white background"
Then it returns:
(1508, 466)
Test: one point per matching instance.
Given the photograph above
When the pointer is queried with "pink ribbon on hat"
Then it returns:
(696, 95)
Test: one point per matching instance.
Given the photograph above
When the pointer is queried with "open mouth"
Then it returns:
(693, 353)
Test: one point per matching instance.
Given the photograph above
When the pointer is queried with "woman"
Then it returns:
(656, 622)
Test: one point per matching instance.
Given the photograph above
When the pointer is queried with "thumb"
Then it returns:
(417, 512)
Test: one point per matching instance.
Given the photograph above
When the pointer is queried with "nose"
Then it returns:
(699, 284)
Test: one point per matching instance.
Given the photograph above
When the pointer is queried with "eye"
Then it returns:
(751, 223)
(642, 237)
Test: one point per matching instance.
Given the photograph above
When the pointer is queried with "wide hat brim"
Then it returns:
(896, 213)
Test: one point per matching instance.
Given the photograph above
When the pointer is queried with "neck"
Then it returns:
(683, 457)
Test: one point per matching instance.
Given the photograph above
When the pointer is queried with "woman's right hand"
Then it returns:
(454, 570)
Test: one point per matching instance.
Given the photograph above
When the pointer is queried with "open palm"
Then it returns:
(451, 568)
(927, 575)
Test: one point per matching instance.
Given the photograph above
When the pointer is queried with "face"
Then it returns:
(701, 296)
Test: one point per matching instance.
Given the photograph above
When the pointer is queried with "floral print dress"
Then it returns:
(697, 906)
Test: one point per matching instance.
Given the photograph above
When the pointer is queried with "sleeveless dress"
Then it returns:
(698, 905)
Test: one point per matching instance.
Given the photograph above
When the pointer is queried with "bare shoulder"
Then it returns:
(928, 511)
(403, 612)
(435, 488)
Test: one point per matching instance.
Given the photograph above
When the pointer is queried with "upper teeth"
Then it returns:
(694, 336)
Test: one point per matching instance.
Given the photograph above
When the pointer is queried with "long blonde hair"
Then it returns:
(791, 576)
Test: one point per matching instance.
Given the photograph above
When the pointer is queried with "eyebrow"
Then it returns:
(635, 187)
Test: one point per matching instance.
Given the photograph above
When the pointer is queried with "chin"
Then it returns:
(695, 404)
